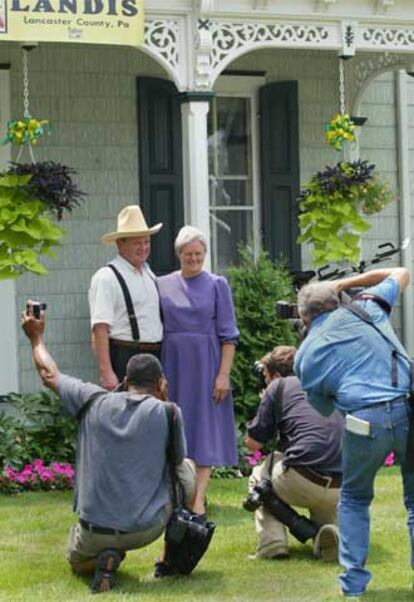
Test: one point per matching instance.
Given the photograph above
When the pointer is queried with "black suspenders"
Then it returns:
(128, 302)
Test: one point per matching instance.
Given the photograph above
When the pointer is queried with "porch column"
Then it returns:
(405, 205)
(8, 339)
(194, 111)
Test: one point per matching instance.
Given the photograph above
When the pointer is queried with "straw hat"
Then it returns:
(131, 222)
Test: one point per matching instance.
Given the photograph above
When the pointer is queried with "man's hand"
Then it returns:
(32, 327)
(252, 444)
(108, 380)
(372, 278)
(164, 389)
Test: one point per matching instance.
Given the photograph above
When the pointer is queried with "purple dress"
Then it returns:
(198, 316)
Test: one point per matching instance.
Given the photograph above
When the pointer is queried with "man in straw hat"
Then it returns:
(123, 299)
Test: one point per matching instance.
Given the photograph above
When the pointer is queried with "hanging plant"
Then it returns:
(28, 129)
(26, 232)
(340, 129)
(50, 183)
(331, 209)
(29, 194)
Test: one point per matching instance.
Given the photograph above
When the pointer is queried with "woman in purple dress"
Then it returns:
(200, 335)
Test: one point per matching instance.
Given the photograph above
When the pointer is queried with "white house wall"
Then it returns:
(89, 95)
(8, 341)
(379, 145)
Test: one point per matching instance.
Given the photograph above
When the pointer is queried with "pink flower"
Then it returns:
(254, 458)
(58, 468)
(10, 473)
(390, 459)
(51, 476)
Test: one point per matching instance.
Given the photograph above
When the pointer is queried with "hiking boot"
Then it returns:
(107, 565)
(326, 543)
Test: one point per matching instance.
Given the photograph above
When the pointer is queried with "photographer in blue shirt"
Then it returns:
(359, 366)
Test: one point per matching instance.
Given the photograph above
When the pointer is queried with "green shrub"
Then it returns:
(35, 426)
(256, 286)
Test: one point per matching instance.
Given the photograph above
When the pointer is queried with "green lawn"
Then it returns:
(33, 533)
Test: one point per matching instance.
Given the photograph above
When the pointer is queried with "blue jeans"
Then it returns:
(362, 457)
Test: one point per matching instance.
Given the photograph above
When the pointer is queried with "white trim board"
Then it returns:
(9, 380)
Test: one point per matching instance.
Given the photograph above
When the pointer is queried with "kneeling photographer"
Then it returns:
(304, 473)
(130, 464)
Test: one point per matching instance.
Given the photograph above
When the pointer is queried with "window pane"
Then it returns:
(230, 192)
(229, 136)
(228, 229)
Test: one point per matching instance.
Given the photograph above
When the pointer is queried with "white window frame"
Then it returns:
(246, 86)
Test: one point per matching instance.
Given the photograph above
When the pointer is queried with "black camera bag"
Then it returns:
(186, 541)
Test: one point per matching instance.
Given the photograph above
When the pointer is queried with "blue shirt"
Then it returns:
(345, 363)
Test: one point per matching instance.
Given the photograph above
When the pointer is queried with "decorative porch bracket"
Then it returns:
(164, 41)
(195, 51)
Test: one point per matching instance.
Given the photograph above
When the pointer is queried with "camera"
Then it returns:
(258, 371)
(286, 310)
(289, 311)
(37, 307)
(257, 495)
(300, 526)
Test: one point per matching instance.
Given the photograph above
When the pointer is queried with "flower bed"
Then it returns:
(37, 476)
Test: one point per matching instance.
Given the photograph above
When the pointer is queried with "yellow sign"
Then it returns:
(86, 21)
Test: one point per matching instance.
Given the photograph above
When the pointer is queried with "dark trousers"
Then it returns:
(120, 356)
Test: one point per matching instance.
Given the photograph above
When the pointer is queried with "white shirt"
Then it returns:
(107, 303)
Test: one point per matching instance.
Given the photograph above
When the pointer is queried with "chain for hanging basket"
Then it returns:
(340, 128)
(28, 129)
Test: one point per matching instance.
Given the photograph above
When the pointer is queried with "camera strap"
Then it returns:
(358, 311)
(363, 315)
(277, 412)
(170, 410)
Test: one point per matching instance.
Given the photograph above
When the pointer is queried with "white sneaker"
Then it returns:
(326, 543)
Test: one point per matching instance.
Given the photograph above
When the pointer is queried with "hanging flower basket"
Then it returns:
(30, 195)
(340, 129)
(26, 232)
(52, 183)
(331, 209)
(26, 130)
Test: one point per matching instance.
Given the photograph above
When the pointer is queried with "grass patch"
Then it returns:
(34, 529)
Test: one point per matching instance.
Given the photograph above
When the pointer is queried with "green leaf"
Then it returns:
(13, 181)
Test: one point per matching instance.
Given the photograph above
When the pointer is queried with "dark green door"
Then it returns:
(280, 170)
(160, 166)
